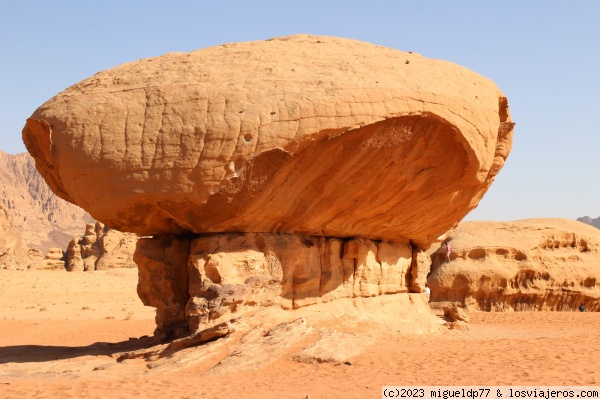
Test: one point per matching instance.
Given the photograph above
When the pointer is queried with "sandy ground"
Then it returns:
(60, 334)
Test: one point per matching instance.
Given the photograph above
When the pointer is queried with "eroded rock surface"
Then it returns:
(100, 248)
(535, 264)
(287, 172)
(194, 282)
(54, 260)
(303, 134)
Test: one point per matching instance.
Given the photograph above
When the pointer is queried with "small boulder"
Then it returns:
(453, 313)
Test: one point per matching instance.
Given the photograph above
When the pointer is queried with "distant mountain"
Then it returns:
(43, 219)
(589, 220)
(13, 252)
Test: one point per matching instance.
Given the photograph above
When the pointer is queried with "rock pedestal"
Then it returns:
(198, 281)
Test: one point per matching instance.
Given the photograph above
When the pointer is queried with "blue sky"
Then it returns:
(544, 55)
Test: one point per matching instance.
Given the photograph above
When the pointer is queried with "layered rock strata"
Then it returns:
(193, 282)
(535, 264)
(244, 161)
(54, 260)
(100, 248)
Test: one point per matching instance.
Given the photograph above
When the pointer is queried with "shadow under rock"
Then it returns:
(43, 353)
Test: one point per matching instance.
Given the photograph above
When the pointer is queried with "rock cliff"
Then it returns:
(44, 220)
(535, 264)
(15, 255)
(336, 162)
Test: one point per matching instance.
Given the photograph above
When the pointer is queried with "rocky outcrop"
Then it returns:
(13, 252)
(194, 282)
(100, 248)
(15, 255)
(42, 219)
(285, 172)
(590, 221)
(54, 260)
(536, 264)
(303, 134)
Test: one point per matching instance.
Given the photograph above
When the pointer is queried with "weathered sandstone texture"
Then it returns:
(285, 172)
(302, 134)
(100, 248)
(54, 260)
(193, 282)
(535, 264)
(42, 219)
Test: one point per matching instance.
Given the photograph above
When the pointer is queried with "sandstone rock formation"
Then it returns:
(44, 220)
(457, 317)
(192, 284)
(15, 255)
(100, 248)
(284, 172)
(54, 260)
(589, 220)
(302, 134)
(13, 252)
(535, 264)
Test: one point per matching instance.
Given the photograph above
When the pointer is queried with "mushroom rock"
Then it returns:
(302, 136)
(534, 264)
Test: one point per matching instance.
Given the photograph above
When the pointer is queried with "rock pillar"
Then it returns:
(195, 281)
(163, 281)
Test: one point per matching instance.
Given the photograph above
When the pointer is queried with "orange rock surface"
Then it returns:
(534, 264)
(302, 134)
(223, 276)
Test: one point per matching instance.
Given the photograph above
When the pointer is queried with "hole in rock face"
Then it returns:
(211, 271)
(238, 166)
(248, 137)
(501, 252)
(589, 282)
(477, 253)
(520, 256)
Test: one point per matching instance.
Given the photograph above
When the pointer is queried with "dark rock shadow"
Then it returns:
(48, 353)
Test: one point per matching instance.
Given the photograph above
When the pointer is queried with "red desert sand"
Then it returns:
(60, 329)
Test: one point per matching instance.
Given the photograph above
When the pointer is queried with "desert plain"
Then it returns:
(61, 334)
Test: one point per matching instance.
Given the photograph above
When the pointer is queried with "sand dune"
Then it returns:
(61, 333)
